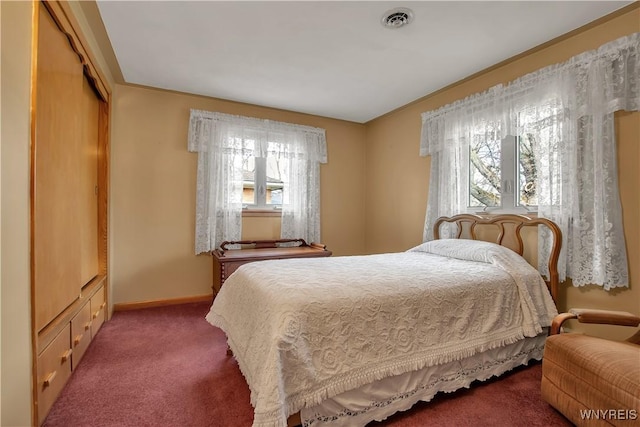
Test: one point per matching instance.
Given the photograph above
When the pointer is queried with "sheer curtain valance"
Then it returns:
(223, 142)
(568, 109)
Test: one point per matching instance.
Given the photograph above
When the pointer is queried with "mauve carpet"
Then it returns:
(167, 366)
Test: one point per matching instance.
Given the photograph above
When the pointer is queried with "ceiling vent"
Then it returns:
(398, 17)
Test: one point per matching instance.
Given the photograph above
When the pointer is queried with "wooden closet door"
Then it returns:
(88, 197)
(56, 173)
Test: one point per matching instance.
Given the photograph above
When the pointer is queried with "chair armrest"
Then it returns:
(557, 322)
(603, 317)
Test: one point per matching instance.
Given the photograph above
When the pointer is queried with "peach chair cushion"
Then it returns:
(581, 372)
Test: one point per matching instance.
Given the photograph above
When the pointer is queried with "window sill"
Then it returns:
(248, 213)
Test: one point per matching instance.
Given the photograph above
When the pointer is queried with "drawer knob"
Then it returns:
(49, 379)
(87, 326)
(66, 355)
(77, 340)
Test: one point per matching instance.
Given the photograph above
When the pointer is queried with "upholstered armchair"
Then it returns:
(593, 381)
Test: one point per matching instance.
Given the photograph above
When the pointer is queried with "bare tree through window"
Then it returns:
(486, 175)
(527, 172)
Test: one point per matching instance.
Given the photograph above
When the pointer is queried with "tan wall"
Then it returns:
(153, 179)
(15, 277)
(397, 179)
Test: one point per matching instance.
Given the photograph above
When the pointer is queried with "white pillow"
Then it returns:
(466, 249)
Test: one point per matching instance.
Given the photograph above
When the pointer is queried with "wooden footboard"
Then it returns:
(510, 227)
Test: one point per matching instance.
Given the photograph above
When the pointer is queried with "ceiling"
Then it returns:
(327, 58)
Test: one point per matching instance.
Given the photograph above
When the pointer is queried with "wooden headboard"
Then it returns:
(510, 236)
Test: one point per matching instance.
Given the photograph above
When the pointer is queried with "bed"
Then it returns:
(347, 340)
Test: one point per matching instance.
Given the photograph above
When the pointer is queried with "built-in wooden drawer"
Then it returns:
(80, 334)
(54, 369)
(97, 311)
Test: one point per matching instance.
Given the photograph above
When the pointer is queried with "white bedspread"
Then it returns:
(303, 330)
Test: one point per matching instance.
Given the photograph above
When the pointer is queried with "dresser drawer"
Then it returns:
(54, 369)
(97, 311)
(80, 334)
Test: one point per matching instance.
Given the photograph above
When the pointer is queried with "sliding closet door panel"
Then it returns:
(56, 173)
(88, 197)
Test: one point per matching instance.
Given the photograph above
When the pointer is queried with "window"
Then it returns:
(502, 173)
(561, 157)
(252, 163)
(263, 183)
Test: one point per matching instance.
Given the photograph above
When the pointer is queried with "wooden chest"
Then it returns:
(226, 261)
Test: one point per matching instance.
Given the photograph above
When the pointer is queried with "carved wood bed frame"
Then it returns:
(510, 236)
(510, 227)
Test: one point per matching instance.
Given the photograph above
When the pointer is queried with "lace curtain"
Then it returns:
(222, 141)
(569, 108)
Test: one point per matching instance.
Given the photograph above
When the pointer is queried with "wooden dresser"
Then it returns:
(226, 261)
